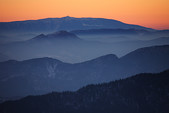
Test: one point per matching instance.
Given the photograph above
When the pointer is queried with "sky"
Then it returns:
(148, 13)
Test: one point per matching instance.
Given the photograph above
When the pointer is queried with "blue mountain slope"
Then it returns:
(43, 75)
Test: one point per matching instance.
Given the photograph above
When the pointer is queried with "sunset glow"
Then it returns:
(149, 13)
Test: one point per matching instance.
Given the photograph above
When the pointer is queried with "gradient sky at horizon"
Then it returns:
(148, 13)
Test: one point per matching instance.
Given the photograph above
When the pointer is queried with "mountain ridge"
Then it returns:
(65, 23)
(44, 75)
(141, 93)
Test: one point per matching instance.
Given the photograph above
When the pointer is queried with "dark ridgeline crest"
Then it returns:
(142, 93)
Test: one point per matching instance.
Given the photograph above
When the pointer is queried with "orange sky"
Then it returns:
(149, 13)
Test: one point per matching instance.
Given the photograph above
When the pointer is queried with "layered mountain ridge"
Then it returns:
(43, 75)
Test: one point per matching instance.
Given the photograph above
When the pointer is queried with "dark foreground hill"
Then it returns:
(143, 93)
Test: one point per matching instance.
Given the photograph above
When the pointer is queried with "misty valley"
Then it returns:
(83, 65)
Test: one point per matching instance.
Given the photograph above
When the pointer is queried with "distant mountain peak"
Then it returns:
(66, 23)
(63, 34)
(67, 17)
(57, 35)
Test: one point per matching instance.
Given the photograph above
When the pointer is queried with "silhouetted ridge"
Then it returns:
(143, 93)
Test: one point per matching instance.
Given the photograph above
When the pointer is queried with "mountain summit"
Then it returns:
(65, 23)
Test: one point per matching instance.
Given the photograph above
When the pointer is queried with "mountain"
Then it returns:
(64, 23)
(74, 48)
(43, 75)
(60, 35)
(142, 93)
(61, 44)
